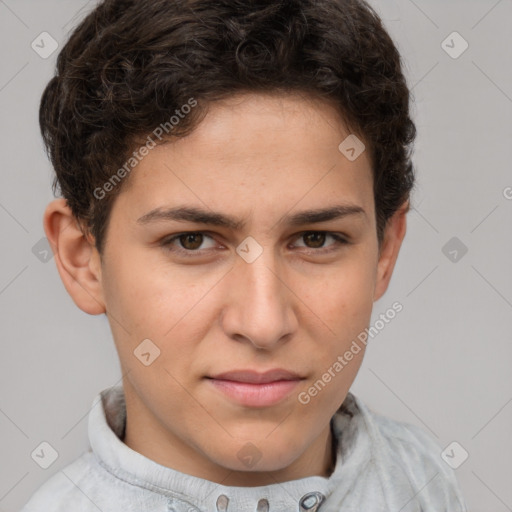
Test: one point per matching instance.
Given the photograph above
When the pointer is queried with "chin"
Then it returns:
(258, 456)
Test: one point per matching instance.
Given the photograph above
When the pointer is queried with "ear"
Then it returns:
(77, 259)
(394, 233)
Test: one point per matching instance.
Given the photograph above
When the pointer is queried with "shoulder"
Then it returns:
(410, 456)
(63, 489)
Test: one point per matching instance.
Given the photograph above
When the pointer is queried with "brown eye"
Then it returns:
(191, 241)
(316, 239)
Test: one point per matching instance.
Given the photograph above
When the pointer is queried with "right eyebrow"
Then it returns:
(201, 216)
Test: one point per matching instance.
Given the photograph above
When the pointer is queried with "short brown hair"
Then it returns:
(130, 64)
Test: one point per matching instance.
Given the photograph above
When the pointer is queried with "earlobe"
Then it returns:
(76, 257)
(392, 241)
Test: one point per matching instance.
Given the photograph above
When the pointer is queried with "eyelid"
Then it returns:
(166, 242)
(340, 240)
(340, 237)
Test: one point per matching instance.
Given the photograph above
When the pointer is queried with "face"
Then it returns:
(249, 245)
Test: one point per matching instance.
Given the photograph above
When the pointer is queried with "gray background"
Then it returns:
(443, 363)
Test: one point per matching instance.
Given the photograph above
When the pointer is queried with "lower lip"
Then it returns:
(256, 395)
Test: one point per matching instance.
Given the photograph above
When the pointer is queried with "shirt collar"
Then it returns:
(107, 420)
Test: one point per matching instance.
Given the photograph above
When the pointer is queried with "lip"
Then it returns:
(253, 389)
(254, 377)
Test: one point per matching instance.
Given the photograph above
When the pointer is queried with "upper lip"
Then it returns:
(254, 377)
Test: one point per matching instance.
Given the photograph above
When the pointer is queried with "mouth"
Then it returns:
(252, 389)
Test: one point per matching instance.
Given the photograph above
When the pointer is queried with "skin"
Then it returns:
(298, 307)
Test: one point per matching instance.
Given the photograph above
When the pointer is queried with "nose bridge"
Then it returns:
(260, 309)
(265, 284)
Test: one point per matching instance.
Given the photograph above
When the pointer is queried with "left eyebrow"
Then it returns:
(323, 214)
(200, 216)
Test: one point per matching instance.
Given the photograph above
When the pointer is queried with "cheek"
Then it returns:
(344, 305)
(173, 307)
(152, 303)
(344, 300)
(148, 294)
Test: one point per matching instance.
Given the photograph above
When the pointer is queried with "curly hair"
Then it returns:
(130, 64)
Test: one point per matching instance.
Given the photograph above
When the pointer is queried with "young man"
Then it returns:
(235, 179)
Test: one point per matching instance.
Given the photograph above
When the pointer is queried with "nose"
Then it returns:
(260, 306)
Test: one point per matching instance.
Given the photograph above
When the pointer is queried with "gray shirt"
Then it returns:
(381, 465)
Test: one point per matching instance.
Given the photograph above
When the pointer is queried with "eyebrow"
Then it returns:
(200, 216)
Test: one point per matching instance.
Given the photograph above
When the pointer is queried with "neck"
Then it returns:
(149, 437)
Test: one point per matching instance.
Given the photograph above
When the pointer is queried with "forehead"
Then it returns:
(253, 151)
(267, 125)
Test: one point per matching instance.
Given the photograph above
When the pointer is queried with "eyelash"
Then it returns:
(167, 242)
